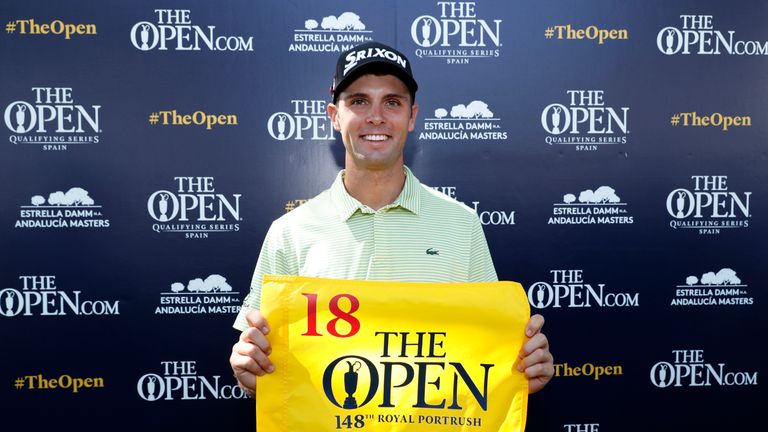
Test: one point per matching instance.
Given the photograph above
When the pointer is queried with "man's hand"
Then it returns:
(249, 357)
(535, 358)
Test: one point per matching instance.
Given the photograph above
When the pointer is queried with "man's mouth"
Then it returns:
(374, 137)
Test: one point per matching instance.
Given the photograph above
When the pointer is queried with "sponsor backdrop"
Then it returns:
(615, 154)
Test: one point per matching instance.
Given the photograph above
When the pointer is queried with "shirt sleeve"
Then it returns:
(481, 267)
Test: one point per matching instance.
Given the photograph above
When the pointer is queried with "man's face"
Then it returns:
(374, 115)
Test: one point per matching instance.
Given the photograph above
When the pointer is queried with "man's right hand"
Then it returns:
(249, 357)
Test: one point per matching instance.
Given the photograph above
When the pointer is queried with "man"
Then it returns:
(376, 222)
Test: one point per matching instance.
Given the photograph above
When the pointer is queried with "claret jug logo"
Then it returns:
(709, 207)
(721, 288)
(52, 121)
(180, 381)
(688, 369)
(212, 295)
(308, 120)
(474, 121)
(599, 207)
(331, 34)
(194, 209)
(40, 296)
(350, 381)
(73, 209)
(569, 290)
(174, 30)
(456, 34)
(586, 122)
(699, 36)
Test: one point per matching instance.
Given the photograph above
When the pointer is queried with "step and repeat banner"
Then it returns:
(615, 153)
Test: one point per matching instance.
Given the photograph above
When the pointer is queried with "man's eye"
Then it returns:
(393, 102)
(357, 101)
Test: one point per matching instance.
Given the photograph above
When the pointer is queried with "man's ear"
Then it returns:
(412, 121)
(333, 114)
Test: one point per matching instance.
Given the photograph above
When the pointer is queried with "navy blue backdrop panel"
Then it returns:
(615, 153)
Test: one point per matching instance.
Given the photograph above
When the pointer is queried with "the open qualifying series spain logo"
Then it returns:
(194, 209)
(174, 31)
(73, 209)
(52, 120)
(39, 296)
(721, 288)
(698, 36)
(473, 121)
(307, 120)
(688, 369)
(569, 290)
(709, 207)
(585, 123)
(599, 207)
(331, 34)
(180, 381)
(456, 35)
(210, 296)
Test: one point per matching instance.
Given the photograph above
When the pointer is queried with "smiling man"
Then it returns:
(377, 221)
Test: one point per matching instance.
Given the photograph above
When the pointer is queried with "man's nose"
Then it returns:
(375, 115)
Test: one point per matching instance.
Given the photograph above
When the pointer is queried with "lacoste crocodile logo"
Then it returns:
(431, 251)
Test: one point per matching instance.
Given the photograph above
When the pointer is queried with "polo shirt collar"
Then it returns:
(346, 205)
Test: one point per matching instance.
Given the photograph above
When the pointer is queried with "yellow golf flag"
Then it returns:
(393, 356)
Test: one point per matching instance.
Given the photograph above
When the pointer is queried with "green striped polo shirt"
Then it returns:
(424, 236)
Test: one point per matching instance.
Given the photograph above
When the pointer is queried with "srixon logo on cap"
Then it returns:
(355, 56)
